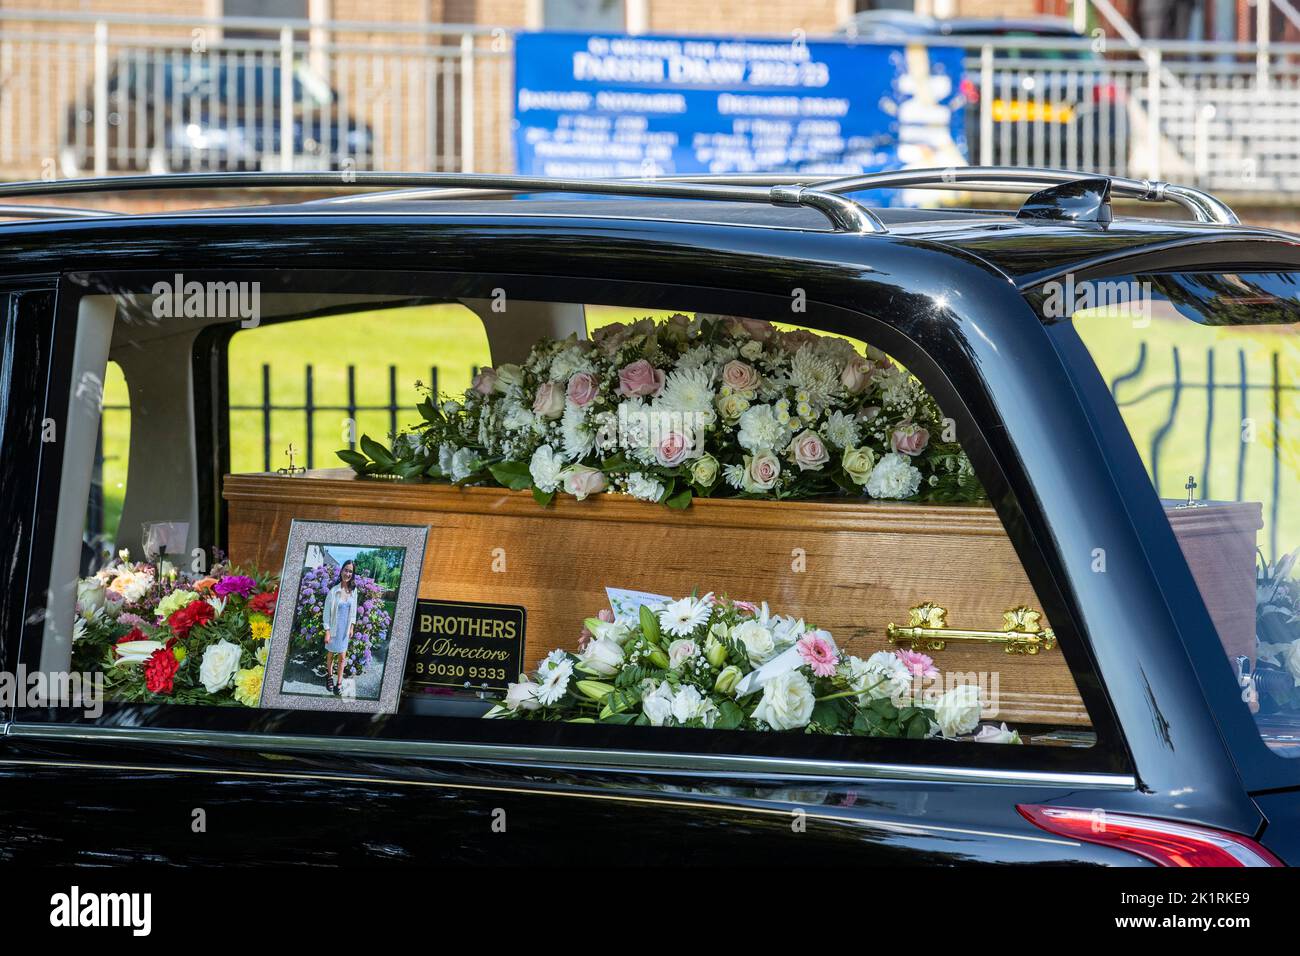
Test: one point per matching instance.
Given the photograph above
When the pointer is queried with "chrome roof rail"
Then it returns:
(23, 211)
(844, 214)
(1202, 206)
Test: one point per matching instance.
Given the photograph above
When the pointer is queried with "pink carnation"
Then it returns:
(918, 664)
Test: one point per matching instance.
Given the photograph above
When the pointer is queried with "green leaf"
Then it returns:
(680, 501)
(358, 461)
(543, 498)
(730, 716)
(513, 474)
(428, 412)
(380, 455)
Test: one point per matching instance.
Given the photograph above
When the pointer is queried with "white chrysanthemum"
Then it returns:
(545, 468)
(640, 485)
(894, 477)
(690, 390)
(553, 678)
(759, 428)
(835, 350)
(579, 439)
(841, 430)
(812, 372)
(680, 618)
(695, 357)
(734, 475)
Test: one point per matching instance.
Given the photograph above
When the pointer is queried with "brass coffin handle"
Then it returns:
(927, 630)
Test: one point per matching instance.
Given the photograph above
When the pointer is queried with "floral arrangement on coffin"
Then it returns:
(193, 639)
(372, 625)
(728, 665)
(1277, 631)
(709, 406)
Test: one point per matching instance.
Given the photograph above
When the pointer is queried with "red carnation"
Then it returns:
(190, 616)
(264, 603)
(135, 634)
(160, 671)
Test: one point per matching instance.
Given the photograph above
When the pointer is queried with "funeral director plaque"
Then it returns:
(465, 645)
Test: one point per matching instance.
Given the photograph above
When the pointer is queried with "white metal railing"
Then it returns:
(82, 93)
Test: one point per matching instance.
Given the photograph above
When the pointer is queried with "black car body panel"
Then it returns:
(947, 296)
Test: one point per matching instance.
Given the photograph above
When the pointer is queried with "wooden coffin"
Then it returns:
(853, 567)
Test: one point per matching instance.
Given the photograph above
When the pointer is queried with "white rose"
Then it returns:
(731, 405)
(787, 702)
(508, 375)
(758, 640)
(881, 676)
(958, 711)
(90, 595)
(988, 734)
(220, 661)
(893, 477)
(616, 631)
(545, 468)
(658, 705)
(522, 695)
(603, 657)
(689, 704)
(681, 651)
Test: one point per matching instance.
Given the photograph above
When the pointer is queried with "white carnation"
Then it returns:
(689, 704)
(576, 433)
(640, 485)
(759, 429)
(894, 477)
(545, 468)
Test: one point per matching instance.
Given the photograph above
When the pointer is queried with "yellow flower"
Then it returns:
(179, 653)
(248, 686)
(260, 625)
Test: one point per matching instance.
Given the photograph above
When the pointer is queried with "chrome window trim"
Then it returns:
(636, 761)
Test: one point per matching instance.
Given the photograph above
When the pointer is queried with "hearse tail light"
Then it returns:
(1160, 841)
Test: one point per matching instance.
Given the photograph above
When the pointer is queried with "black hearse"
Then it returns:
(1090, 359)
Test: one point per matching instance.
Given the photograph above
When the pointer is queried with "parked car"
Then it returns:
(1048, 105)
(214, 113)
(1150, 726)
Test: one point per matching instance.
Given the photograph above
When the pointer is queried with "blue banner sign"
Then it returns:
(598, 106)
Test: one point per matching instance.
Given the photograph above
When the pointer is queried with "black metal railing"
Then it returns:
(266, 409)
(1234, 392)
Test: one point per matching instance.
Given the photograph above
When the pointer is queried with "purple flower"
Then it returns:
(235, 584)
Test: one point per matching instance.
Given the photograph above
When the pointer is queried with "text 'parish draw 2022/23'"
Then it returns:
(906, 515)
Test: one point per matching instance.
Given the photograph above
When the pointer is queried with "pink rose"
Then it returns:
(549, 402)
(485, 381)
(582, 389)
(640, 378)
(795, 340)
(740, 376)
(673, 449)
(909, 439)
(582, 480)
(761, 473)
(809, 451)
(856, 375)
(756, 329)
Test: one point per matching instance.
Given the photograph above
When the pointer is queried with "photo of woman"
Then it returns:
(343, 619)
(340, 619)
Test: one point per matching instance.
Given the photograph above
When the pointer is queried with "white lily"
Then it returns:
(136, 652)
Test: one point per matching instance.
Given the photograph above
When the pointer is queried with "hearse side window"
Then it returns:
(109, 474)
(633, 520)
(1205, 371)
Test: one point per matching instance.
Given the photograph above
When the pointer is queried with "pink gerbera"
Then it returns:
(918, 664)
(818, 653)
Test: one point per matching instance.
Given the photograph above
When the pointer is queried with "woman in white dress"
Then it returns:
(340, 619)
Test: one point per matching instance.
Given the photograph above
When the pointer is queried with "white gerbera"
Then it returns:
(841, 430)
(681, 618)
(545, 468)
(553, 677)
(893, 477)
(759, 428)
(576, 432)
(641, 485)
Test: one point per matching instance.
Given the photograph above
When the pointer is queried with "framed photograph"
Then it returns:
(343, 619)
